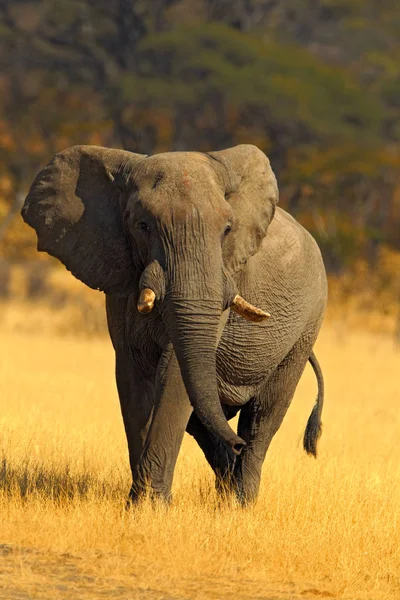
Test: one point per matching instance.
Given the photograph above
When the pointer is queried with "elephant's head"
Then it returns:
(175, 226)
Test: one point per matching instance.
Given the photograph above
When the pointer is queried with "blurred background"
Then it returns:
(314, 83)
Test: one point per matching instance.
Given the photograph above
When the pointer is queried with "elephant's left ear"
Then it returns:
(252, 191)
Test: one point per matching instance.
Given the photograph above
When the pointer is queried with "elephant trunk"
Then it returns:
(193, 328)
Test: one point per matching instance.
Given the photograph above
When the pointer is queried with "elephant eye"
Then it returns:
(228, 228)
(143, 227)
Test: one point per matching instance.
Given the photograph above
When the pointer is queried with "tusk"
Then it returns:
(146, 301)
(248, 311)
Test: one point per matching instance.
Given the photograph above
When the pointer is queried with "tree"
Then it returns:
(202, 74)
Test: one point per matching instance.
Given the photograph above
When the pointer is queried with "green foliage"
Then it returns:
(283, 80)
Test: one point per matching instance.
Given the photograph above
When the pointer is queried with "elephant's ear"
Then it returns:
(73, 205)
(252, 191)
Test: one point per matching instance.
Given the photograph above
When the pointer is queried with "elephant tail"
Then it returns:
(314, 426)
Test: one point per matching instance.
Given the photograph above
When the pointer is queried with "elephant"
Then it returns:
(214, 299)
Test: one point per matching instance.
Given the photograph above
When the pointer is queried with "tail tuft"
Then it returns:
(313, 432)
(314, 426)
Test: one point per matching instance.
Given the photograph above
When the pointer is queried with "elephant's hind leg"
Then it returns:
(261, 418)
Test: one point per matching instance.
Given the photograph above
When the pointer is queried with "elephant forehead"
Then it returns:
(180, 185)
(169, 204)
(175, 169)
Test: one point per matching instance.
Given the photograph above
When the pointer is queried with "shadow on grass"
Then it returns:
(31, 479)
(61, 485)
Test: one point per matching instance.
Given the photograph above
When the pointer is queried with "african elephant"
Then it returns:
(177, 241)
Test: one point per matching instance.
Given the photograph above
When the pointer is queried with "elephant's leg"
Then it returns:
(172, 410)
(135, 389)
(218, 457)
(136, 395)
(261, 418)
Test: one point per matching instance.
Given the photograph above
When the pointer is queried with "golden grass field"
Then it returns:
(321, 528)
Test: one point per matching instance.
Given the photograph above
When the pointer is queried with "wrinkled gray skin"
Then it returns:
(196, 229)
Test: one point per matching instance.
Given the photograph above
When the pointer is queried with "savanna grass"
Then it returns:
(327, 527)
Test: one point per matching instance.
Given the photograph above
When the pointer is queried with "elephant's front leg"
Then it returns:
(136, 395)
(172, 410)
(135, 387)
(220, 459)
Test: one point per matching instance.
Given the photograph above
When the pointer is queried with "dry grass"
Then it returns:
(325, 528)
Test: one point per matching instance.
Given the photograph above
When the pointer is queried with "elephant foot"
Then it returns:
(138, 495)
(246, 494)
(230, 486)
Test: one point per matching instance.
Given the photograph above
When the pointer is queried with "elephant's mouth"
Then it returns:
(239, 305)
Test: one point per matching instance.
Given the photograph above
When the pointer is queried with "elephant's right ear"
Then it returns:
(73, 205)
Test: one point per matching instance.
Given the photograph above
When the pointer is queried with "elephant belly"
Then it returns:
(234, 395)
(247, 355)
